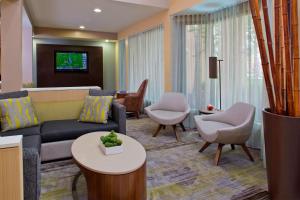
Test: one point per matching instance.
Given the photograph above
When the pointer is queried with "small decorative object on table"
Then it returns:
(110, 144)
(208, 110)
(210, 107)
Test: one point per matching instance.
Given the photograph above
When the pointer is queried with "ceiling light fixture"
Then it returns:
(97, 10)
(106, 40)
(82, 27)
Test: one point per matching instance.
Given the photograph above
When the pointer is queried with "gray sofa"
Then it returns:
(57, 133)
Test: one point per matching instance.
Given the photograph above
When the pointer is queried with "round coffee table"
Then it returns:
(111, 177)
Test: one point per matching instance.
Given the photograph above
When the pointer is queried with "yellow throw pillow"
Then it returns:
(95, 109)
(17, 113)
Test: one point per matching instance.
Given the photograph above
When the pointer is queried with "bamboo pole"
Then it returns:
(254, 6)
(277, 46)
(283, 64)
(287, 54)
(274, 74)
(295, 50)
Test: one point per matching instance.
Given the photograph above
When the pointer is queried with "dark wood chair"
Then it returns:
(134, 101)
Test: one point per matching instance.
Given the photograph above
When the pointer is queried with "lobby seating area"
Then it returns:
(149, 100)
(53, 137)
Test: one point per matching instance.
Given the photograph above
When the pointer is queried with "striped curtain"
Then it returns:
(146, 61)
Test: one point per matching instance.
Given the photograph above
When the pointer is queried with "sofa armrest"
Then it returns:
(32, 174)
(119, 116)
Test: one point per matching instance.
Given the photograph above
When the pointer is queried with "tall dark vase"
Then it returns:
(282, 143)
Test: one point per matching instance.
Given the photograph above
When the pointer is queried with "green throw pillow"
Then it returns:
(17, 113)
(95, 109)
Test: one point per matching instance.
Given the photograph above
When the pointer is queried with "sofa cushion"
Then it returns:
(95, 109)
(209, 130)
(32, 142)
(59, 130)
(16, 94)
(96, 92)
(34, 130)
(17, 113)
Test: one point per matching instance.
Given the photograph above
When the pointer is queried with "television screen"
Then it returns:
(71, 61)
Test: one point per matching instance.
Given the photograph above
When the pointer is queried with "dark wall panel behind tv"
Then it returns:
(48, 77)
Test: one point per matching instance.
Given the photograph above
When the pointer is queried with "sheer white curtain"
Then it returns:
(146, 62)
(229, 35)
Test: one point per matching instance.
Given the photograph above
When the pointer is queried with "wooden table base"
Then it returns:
(130, 186)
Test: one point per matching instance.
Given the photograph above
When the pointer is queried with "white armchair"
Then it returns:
(233, 126)
(172, 109)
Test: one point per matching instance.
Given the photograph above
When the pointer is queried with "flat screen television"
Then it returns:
(71, 61)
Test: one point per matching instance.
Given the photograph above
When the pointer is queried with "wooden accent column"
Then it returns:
(11, 45)
(11, 168)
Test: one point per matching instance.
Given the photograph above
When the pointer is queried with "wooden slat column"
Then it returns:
(11, 45)
(11, 168)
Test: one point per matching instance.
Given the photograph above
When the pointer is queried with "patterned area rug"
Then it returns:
(175, 170)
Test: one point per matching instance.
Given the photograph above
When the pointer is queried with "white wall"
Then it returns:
(26, 48)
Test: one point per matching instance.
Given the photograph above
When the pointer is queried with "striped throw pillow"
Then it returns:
(95, 109)
(17, 113)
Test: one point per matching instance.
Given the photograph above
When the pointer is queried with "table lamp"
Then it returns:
(213, 74)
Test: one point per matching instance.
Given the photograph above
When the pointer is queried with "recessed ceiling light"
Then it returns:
(82, 27)
(97, 10)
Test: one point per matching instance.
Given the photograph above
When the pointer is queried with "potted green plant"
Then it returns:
(110, 144)
(281, 73)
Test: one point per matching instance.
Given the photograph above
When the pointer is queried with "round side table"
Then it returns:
(205, 111)
(111, 177)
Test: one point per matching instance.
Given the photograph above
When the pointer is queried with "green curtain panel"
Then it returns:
(122, 65)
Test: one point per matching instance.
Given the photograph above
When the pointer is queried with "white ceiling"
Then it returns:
(70, 14)
(209, 6)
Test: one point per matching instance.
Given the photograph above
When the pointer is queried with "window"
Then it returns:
(228, 34)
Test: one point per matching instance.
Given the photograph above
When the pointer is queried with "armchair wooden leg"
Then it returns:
(182, 126)
(176, 134)
(204, 146)
(137, 114)
(245, 148)
(157, 130)
(232, 146)
(218, 154)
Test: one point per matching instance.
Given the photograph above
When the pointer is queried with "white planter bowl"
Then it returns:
(111, 150)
